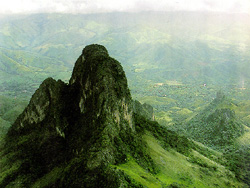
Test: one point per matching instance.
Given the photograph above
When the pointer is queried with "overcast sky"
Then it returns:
(94, 6)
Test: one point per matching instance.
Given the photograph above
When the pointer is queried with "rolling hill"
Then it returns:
(190, 47)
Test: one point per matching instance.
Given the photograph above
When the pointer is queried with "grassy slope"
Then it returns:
(177, 168)
(193, 169)
(245, 138)
(4, 126)
(10, 108)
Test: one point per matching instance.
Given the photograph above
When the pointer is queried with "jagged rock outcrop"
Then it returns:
(85, 126)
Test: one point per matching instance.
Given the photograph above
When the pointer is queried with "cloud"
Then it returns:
(94, 6)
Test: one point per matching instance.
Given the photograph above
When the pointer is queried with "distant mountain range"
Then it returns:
(189, 47)
(175, 61)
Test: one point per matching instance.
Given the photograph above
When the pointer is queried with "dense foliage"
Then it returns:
(238, 161)
(176, 68)
(216, 126)
(166, 137)
(77, 129)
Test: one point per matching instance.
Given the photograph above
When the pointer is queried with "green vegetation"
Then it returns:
(10, 108)
(166, 137)
(176, 68)
(238, 161)
(177, 169)
(154, 51)
(217, 125)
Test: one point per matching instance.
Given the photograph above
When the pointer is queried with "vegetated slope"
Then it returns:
(89, 133)
(4, 126)
(22, 71)
(76, 126)
(217, 125)
(10, 109)
(189, 47)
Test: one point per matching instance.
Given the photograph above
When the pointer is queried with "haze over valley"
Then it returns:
(188, 69)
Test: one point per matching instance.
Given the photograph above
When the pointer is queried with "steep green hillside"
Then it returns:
(89, 133)
(4, 126)
(10, 108)
(217, 125)
(198, 167)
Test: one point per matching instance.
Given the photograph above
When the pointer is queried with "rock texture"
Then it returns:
(85, 126)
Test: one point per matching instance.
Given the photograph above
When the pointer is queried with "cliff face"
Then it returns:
(90, 119)
(102, 85)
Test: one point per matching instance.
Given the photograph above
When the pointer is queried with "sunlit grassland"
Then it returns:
(163, 118)
(243, 109)
(193, 171)
(139, 174)
(245, 138)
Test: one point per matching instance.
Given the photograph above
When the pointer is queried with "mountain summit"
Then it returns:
(87, 120)
(89, 133)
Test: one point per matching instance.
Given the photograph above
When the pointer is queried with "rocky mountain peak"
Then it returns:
(102, 85)
(80, 131)
(97, 88)
(87, 117)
